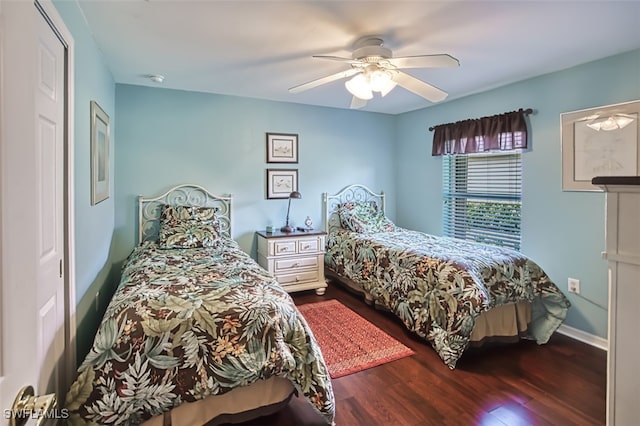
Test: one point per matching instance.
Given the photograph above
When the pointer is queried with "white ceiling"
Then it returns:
(259, 49)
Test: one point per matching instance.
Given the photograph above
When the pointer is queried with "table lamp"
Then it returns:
(286, 227)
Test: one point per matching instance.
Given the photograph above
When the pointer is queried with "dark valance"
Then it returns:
(503, 132)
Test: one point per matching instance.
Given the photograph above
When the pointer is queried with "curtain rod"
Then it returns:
(524, 111)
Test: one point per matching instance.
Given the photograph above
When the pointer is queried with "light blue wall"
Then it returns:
(168, 137)
(562, 231)
(93, 224)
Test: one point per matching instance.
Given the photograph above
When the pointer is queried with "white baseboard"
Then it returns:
(589, 339)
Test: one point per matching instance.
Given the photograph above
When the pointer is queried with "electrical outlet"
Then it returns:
(574, 285)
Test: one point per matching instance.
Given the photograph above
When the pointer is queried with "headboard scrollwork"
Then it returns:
(190, 195)
(351, 193)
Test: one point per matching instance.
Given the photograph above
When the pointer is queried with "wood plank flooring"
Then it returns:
(560, 383)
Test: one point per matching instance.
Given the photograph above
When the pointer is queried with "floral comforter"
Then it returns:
(438, 286)
(188, 323)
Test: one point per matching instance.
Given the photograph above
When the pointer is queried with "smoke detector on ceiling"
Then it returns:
(156, 78)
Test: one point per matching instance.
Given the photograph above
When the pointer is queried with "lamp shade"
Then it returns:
(372, 79)
(295, 194)
(358, 86)
(381, 81)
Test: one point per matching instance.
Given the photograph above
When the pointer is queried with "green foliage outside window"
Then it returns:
(483, 218)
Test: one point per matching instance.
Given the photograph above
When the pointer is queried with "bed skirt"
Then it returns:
(261, 398)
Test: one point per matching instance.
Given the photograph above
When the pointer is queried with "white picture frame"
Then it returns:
(100, 162)
(609, 151)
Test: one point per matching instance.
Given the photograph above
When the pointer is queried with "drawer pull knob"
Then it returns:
(297, 279)
(306, 247)
(284, 248)
(295, 265)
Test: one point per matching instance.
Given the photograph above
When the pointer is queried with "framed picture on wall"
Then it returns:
(281, 183)
(602, 141)
(99, 154)
(282, 148)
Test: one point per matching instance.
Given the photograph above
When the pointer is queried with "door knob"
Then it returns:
(27, 406)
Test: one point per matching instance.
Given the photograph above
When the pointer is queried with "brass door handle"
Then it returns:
(26, 406)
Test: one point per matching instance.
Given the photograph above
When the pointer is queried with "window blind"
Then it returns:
(482, 197)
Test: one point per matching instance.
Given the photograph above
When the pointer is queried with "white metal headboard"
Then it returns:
(351, 193)
(150, 209)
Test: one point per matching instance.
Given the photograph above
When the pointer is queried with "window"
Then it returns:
(482, 197)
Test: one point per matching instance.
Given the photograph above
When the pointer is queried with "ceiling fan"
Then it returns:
(608, 122)
(374, 69)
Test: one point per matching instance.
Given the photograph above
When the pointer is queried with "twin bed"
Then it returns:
(451, 292)
(197, 332)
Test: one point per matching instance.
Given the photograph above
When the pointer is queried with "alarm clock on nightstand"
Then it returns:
(308, 223)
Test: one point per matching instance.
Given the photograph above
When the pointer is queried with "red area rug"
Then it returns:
(349, 343)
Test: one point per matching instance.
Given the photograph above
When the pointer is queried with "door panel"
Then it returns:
(46, 149)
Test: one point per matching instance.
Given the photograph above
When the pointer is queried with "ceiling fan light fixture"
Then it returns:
(374, 69)
(382, 81)
(359, 87)
(613, 122)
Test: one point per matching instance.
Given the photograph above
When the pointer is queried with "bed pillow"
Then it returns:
(364, 217)
(189, 233)
(188, 227)
(188, 212)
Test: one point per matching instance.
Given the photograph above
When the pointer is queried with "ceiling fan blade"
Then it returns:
(587, 118)
(425, 61)
(357, 103)
(337, 58)
(419, 87)
(323, 80)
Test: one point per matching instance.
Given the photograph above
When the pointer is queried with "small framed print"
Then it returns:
(281, 183)
(99, 154)
(282, 148)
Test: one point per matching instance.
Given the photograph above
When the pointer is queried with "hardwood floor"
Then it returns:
(560, 383)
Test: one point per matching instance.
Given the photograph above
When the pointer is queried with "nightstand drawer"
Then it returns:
(286, 265)
(283, 248)
(309, 245)
(288, 279)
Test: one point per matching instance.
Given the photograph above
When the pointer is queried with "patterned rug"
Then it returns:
(349, 342)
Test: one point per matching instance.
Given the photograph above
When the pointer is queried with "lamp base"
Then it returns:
(287, 229)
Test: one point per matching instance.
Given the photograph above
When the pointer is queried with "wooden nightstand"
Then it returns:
(296, 259)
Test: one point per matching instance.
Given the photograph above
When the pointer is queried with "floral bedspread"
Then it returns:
(188, 323)
(438, 286)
